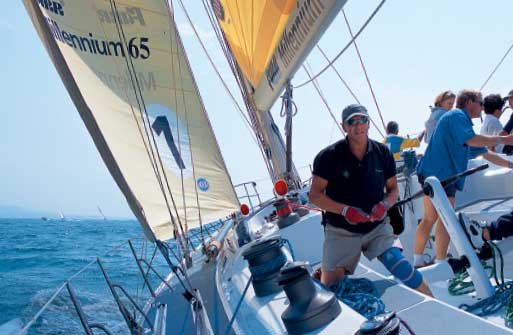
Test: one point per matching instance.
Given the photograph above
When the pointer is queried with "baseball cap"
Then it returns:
(353, 110)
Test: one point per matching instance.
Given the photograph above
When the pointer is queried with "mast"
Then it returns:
(265, 43)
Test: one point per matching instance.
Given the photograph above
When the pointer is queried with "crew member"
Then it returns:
(454, 142)
(354, 183)
(397, 144)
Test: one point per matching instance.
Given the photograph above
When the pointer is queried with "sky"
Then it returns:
(412, 51)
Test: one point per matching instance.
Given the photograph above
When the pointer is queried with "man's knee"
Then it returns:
(329, 277)
(399, 266)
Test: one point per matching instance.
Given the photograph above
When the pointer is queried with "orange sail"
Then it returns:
(253, 29)
(270, 39)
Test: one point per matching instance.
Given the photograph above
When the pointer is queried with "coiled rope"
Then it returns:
(360, 294)
(503, 296)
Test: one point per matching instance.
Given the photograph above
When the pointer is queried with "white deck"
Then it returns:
(262, 315)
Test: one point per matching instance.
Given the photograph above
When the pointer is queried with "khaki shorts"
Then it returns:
(343, 248)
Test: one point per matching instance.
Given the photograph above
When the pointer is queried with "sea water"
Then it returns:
(36, 257)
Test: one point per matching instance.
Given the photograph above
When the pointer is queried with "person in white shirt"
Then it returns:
(493, 104)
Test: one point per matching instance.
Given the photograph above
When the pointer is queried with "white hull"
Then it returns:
(262, 315)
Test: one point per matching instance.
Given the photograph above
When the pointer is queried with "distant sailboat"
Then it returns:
(101, 213)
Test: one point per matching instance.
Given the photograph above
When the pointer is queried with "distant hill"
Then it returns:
(16, 212)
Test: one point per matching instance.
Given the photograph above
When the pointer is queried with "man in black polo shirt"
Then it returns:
(349, 182)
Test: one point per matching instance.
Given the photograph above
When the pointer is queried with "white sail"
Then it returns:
(125, 68)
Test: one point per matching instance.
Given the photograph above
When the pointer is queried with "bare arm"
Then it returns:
(392, 191)
(320, 199)
(494, 158)
(489, 141)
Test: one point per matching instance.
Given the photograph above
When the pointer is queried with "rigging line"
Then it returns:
(347, 45)
(138, 94)
(347, 86)
(318, 88)
(63, 285)
(205, 115)
(173, 70)
(243, 88)
(496, 67)
(364, 70)
(152, 160)
(149, 265)
(232, 97)
(240, 82)
(182, 94)
(177, 267)
(190, 148)
(338, 74)
(131, 67)
(140, 103)
(323, 98)
(181, 267)
(125, 91)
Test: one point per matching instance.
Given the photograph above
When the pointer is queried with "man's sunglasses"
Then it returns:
(354, 121)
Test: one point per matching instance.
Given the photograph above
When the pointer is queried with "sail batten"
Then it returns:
(134, 81)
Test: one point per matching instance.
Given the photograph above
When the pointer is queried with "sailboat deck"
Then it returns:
(423, 314)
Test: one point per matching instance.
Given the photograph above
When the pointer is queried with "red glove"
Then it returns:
(379, 211)
(354, 215)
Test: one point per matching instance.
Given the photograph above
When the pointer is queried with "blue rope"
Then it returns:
(360, 294)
